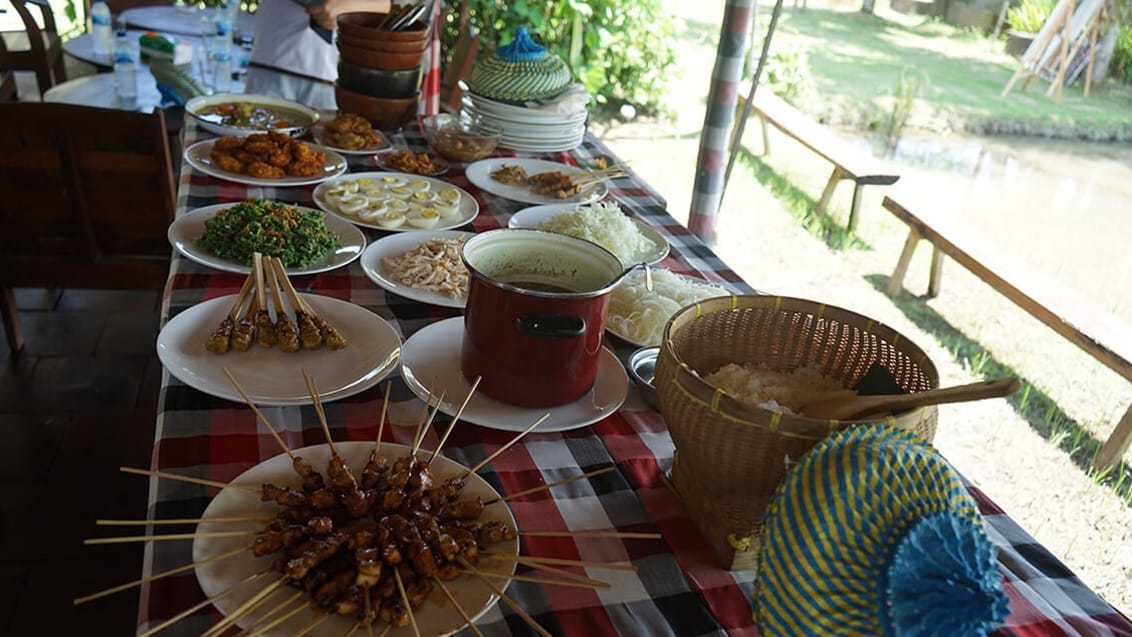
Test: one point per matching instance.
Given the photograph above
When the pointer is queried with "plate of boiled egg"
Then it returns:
(396, 202)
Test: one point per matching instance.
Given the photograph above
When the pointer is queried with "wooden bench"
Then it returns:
(849, 163)
(1103, 340)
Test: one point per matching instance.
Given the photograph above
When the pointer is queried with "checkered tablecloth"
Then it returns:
(677, 589)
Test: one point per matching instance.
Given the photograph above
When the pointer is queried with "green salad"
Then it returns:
(298, 237)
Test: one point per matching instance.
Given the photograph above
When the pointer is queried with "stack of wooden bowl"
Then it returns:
(379, 70)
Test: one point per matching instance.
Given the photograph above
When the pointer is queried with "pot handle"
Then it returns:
(548, 325)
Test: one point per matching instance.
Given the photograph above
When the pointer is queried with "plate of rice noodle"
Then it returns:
(638, 316)
(604, 223)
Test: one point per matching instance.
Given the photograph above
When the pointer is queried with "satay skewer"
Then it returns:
(244, 333)
(510, 602)
(422, 429)
(457, 606)
(245, 608)
(561, 572)
(286, 334)
(264, 328)
(220, 338)
(273, 611)
(551, 485)
(152, 578)
(210, 600)
(312, 388)
(190, 479)
(168, 537)
(168, 521)
(507, 446)
(309, 334)
(384, 411)
(330, 335)
(405, 601)
(452, 425)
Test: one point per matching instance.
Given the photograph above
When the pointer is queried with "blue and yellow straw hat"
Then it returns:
(520, 71)
(873, 533)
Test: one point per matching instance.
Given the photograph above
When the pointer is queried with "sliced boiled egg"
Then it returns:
(400, 192)
(391, 219)
(364, 182)
(352, 204)
(423, 197)
(449, 194)
(373, 211)
(388, 181)
(419, 185)
(347, 185)
(423, 217)
(334, 194)
(446, 208)
(399, 205)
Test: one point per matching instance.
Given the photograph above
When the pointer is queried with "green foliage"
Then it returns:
(903, 99)
(1029, 15)
(1121, 64)
(787, 75)
(620, 50)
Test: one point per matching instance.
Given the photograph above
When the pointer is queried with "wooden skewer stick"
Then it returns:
(353, 629)
(189, 479)
(510, 602)
(507, 446)
(559, 561)
(286, 332)
(273, 611)
(367, 611)
(244, 608)
(303, 319)
(457, 606)
(384, 411)
(312, 387)
(423, 430)
(542, 580)
(259, 414)
(282, 619)
(161, 538)
(192, 609)
(315, 624)
(182, 521)
(152, 578)
(551, 485)
(561, 571)
(452, 425)
(616, 534)
(405, 601)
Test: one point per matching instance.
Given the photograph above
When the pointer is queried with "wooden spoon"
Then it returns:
(846, 406)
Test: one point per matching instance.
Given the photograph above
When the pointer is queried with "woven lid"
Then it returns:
(520, 71)
(873, 533)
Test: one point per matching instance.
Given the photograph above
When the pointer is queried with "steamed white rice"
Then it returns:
(783, 392)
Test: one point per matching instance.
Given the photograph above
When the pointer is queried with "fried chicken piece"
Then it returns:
(261, 170)
(308, 167)
(227, 161)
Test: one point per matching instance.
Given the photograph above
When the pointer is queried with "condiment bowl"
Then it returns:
(642, 367)
(460, 139)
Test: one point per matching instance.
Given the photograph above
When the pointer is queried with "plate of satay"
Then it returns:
(396, 202)
(464, 525)
(268, 332)
(187, 233)
(265, 159)
(423, 266)
(538, 181)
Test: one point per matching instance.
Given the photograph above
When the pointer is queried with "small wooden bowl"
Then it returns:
(386, 113)
(364, 25)
(382, 46)
(381, 61)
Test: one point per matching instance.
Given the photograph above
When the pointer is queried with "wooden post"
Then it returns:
(1114, 448)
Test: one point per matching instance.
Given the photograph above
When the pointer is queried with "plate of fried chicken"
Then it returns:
(265, 159)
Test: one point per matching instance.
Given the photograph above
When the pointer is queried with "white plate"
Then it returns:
(195, 105)
(541, 148)
(522, 113)
(198, 156)
(317, 134)
(534, 216)
(432, 355)
(479, 174)
(469, 207)
(435, 617)
(186, 229)
(612, 328)
(398, 244)
(271, 376)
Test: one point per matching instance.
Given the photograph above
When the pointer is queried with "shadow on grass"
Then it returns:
(1031, 403)
(799, 204)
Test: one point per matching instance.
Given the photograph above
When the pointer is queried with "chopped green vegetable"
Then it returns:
(298, 237)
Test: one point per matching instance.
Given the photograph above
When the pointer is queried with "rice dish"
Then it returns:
(782, 392)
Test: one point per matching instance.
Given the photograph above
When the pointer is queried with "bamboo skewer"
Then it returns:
(163, 538)
(282, 619)
(507, 446)
(153, 578)
(169, 521)
(551, 485)
(560, 571)
(244, 608)
(457, 606)
(265, 329)
(607, 534)
(315, 624)
(259, 414)
(542, 580)
(384, 411)
(189, 479)
(510, 602)
(405, 601)
(192, 609)
(244, 334)
(559, 561)
(423, 429)
(309, 334)
(286, 334)
(312, 387)
(271, 612)
(452, 425)
(331, 337)
(221, 337)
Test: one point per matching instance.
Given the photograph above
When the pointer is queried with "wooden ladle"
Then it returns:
(846, 404)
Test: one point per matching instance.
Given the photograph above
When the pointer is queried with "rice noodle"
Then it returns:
(640, 315)
(434, 266)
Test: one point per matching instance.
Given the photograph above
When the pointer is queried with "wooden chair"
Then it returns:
(44, 54)
(8, 91)
(88, 198)
(460, 63)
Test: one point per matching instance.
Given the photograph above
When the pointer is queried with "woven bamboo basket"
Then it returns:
(730, 456)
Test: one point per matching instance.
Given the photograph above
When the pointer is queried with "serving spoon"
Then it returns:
(847, 404)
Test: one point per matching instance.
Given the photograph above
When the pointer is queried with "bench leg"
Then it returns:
(1113, 449)
(10, 314)
(936, 273)
(827, 192)
(766, 137)
(854, 207)
(897, 279)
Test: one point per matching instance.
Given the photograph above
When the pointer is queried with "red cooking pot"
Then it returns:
(535, 314)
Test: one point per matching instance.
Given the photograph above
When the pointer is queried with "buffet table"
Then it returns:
(677, 588)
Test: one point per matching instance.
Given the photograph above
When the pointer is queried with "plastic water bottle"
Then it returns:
(100, 27)
(224, 25)
(125, 76)
(222, 69)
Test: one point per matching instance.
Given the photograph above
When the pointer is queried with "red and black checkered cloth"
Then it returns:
(677, 589)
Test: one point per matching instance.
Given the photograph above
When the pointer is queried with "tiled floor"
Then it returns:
(76, 404)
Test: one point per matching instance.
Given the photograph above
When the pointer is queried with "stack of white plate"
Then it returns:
(529, 129)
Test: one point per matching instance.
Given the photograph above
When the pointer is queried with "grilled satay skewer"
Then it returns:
(220, 338)
(265, 328)
(286, 335)
(330, 334)
(309, 334)
(245, 330)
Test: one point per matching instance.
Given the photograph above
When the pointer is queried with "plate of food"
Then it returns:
(602, 222)
(243, 114)
(403, 160)
(224, 236)
(279, 160)
(423, 266)
(397, 202)
(350, 134)
(361, 350)
(435, 611)
(537, 181)
(638, 316)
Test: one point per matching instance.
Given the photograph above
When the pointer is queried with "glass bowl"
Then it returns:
(459, 139)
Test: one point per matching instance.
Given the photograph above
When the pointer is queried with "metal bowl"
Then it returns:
(301, 117)
(642, 367)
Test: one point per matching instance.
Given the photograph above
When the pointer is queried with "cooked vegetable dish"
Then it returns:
(253, 116)
(299, 238)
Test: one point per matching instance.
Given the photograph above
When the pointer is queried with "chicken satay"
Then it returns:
(393, 612)
(375, 468)
(264, 327)
(349, 601)
(330, 334)
(492, 532)
(466, 509)
(417, 591)
(325, 594)
(244, 333)
(220, 338)
(368, 561)
(285, 496)
(316, 552)
(310, 337)
(286, 335)
(312, 480)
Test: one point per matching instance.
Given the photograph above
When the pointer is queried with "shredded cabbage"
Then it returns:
(640, 316)
(602, 223)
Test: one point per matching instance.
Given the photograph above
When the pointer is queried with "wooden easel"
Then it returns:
(1056, 46)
